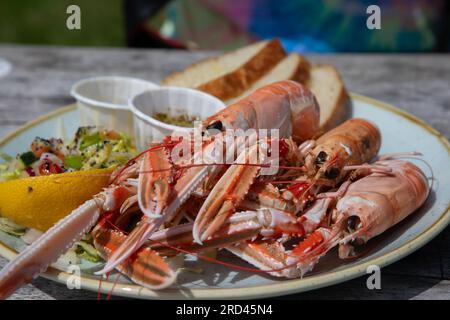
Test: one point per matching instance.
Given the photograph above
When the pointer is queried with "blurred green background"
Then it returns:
(44, 21)
(301, 25)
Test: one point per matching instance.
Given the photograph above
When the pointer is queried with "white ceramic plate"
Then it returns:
(400, 131)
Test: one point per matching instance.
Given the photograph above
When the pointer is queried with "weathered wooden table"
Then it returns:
(41, 78)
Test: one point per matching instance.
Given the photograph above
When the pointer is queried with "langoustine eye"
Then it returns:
(321, 157)
(332, 173)
(353, 224)
(217, 125)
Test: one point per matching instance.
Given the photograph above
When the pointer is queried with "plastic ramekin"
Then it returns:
(173, 101)
(103, 101)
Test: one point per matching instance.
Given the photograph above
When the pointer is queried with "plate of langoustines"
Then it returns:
(354, 185)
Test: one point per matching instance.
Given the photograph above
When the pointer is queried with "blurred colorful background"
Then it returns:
(302, 25)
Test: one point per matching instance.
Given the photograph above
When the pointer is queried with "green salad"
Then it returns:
(90, 148)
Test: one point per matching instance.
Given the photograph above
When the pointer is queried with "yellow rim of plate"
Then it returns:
(284, 287)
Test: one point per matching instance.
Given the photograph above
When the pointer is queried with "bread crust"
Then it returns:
(237, 81)
(302, 72)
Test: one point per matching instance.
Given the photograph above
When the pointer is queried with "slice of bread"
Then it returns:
(293, 67)
(229, 75)
(327, 85)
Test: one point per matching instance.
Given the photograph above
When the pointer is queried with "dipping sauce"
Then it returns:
(182, 120)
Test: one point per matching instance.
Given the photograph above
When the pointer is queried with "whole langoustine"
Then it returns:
(364, 209)
(369, 207)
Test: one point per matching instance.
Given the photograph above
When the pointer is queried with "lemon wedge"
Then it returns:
(40, 202)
